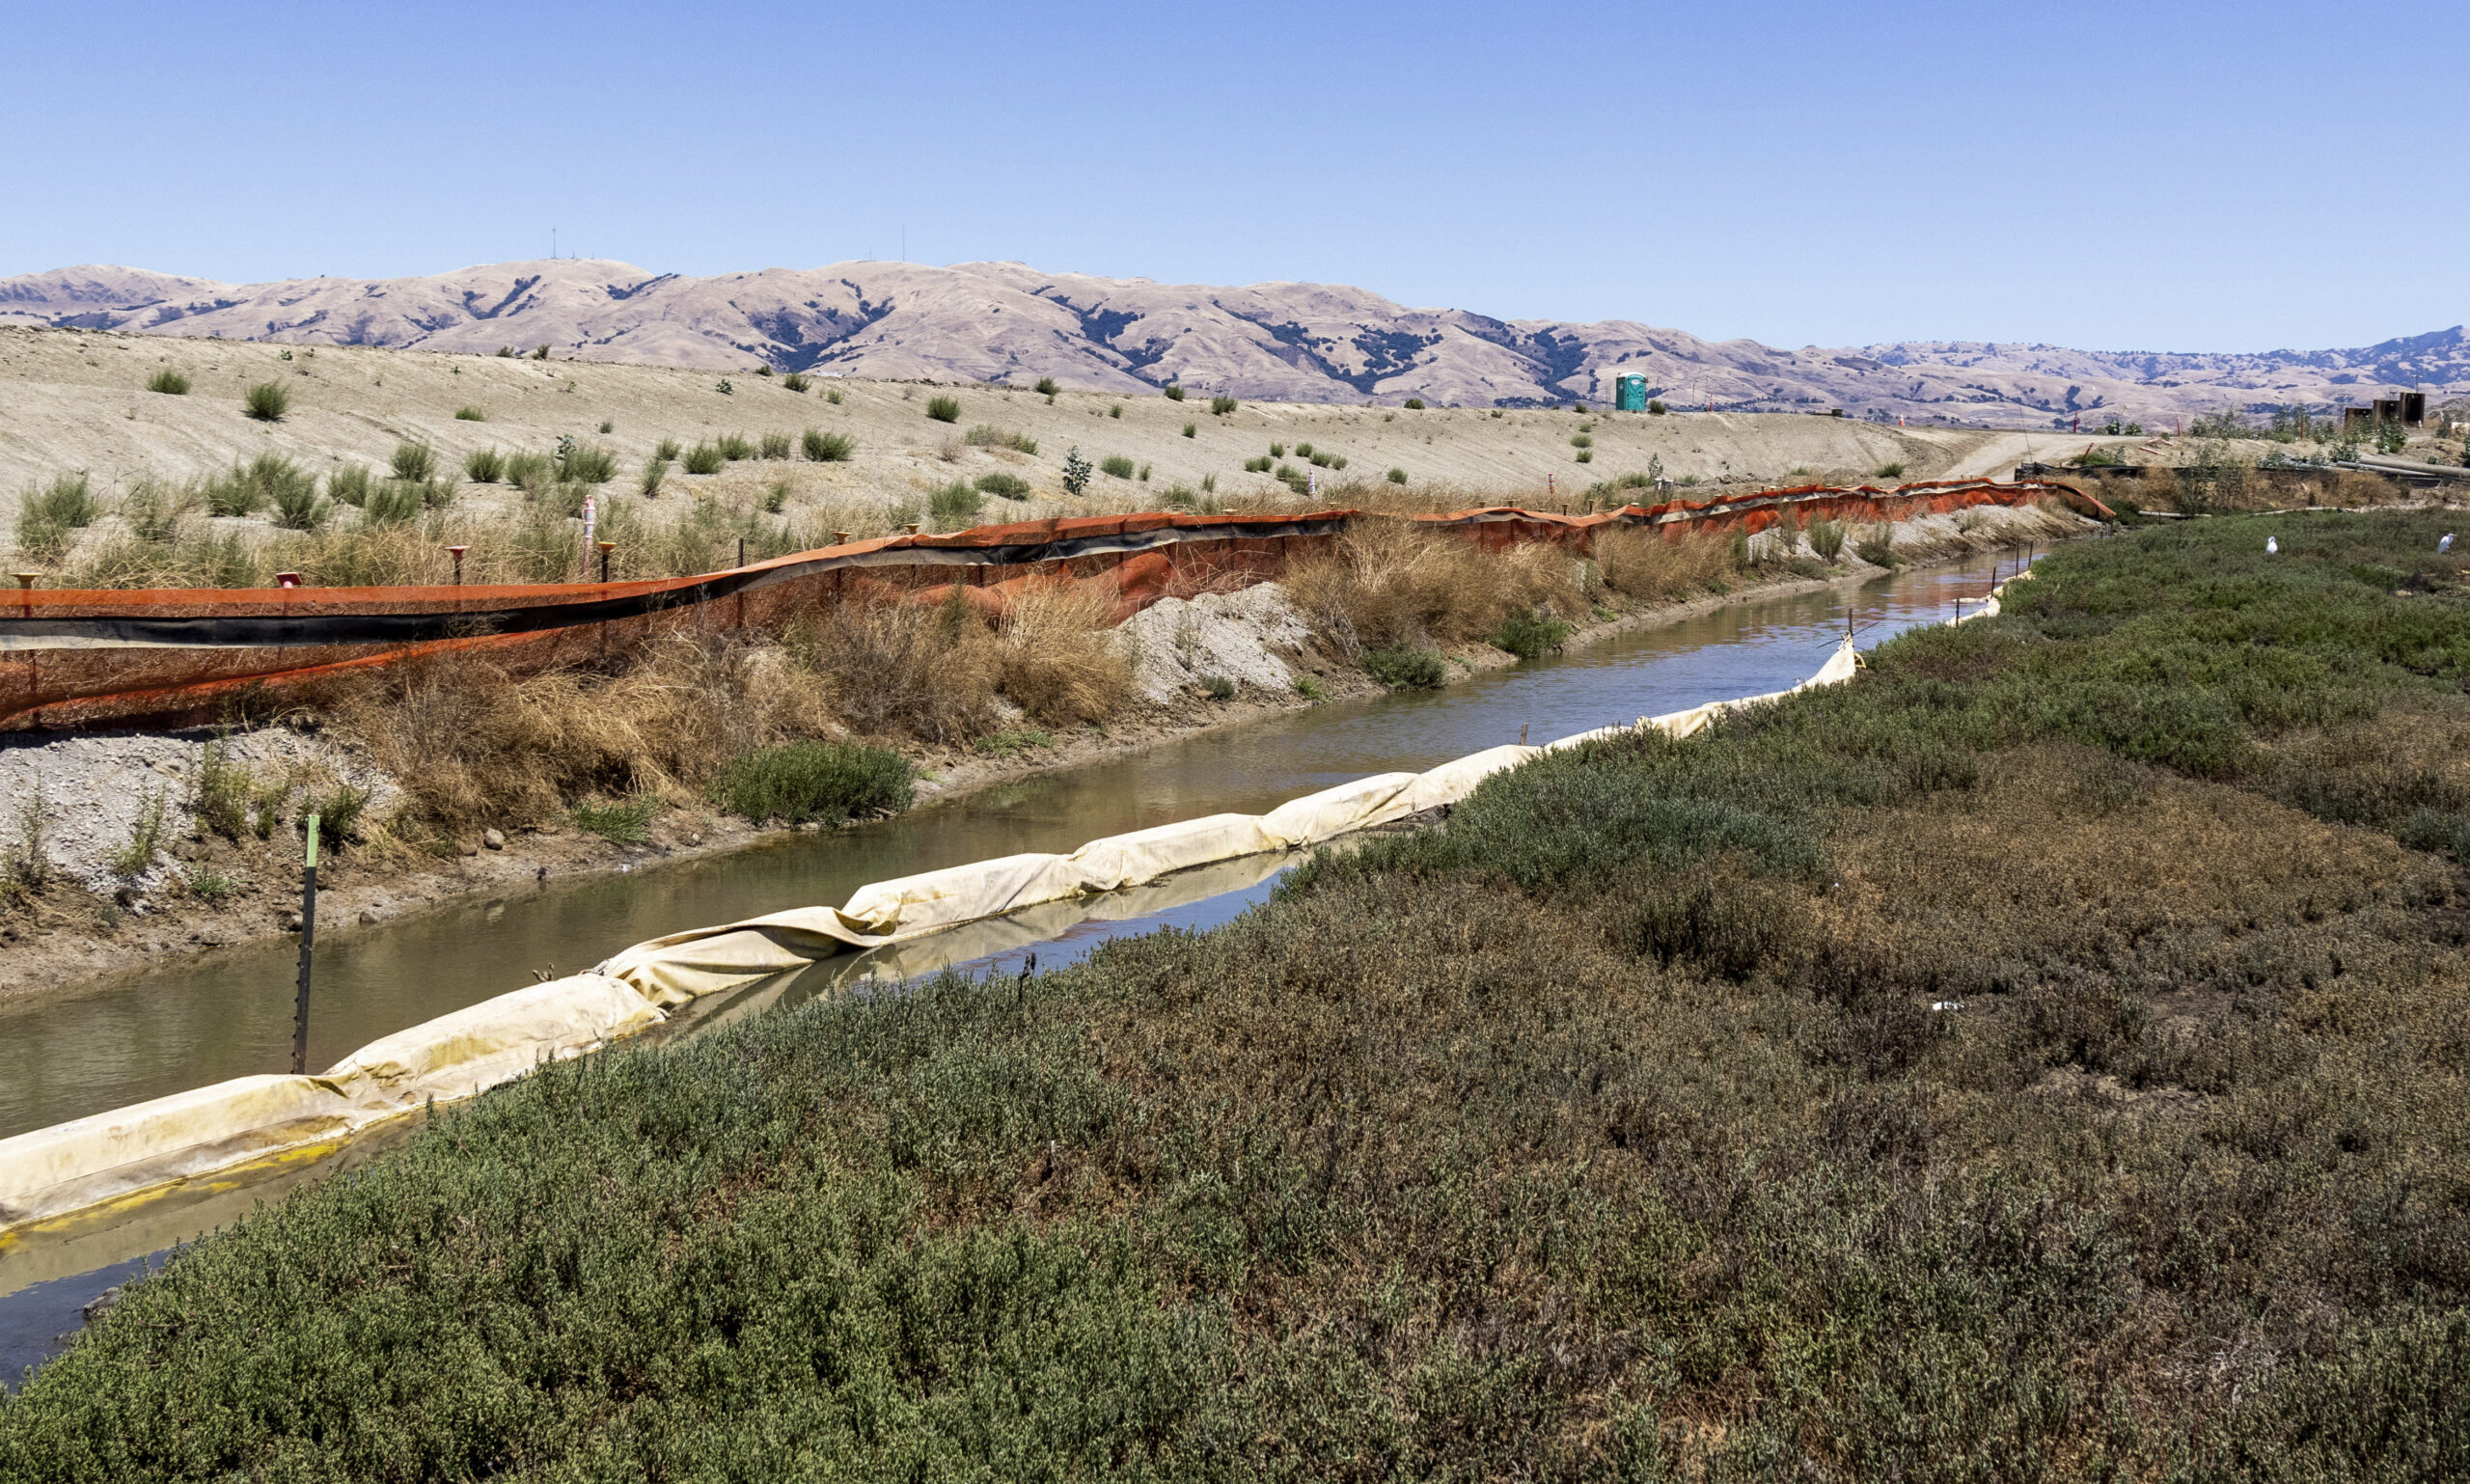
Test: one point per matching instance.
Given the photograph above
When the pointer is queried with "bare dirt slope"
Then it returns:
(1321, 342)
(73, 402)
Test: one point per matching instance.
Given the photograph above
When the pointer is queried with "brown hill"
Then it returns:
(1300, 342)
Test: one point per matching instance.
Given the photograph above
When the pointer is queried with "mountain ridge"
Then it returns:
(1283, 341)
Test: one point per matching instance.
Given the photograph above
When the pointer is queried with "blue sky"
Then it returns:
(2157, 177)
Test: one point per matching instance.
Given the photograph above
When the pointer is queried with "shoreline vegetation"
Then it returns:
(2041, 1057)
(590, 767)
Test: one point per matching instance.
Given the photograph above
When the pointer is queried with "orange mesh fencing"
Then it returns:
(80, 658)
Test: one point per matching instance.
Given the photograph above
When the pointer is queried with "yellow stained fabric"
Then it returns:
(51, 1172)
(478, 1046)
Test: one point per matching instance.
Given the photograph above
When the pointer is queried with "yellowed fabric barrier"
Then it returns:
(51, 1172)
(91, 1160)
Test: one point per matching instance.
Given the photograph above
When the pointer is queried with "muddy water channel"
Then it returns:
(229, 1014)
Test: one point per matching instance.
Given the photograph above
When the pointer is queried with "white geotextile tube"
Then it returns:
(156, 1145)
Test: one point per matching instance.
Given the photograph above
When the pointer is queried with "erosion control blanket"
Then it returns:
(159, 1144)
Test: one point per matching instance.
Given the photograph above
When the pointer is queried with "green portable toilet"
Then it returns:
(1629, 393)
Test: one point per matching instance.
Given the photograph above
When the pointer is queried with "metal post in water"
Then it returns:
(307, 946)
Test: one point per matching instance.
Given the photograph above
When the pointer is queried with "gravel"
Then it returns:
(93, 790)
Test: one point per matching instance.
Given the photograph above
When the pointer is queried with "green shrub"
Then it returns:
(586, 463)
(832, 395)
(1581, 441)
(648, 483)
(48, 518)
(827, 781)
(470, 415)
(482, 466)
(1174, 394)
(1046, 387)
(1311, 689)
(1415, 405)
(1012, 740)
(1529, 636)
(795, 381)
(1889, 471)
(943, 409)
(666, 451)
(267, 401)
(1826, 538)
(625, 823)
(169, 383)
(1076, 472)
(1192, 429)
(1302, 450)
(703, 458)
(1397, 476)
(1256, 465)
(733, 447)
(413, 461)
(530, 472)
(1586, 457)
(824, 448)
(984, 436)
(1877, 548)
(1655, 406)
(1277, 451)
(775, 497)
(1008, 487)
(776, 445)
(1217, 687)
(1404, 668)
(1117, 465)
(264, 481)
(393, 503)
(1220, 406)
(954, 505)
(294, 504)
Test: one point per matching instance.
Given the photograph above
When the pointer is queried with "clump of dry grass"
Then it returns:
(1641, 563)
(894, 666)
(1057, 657)
(1393, 583)
(473, 744)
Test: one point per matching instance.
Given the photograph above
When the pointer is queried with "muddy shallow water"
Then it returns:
(198, 1022)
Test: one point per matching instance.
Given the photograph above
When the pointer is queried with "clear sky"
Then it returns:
(2223, 177)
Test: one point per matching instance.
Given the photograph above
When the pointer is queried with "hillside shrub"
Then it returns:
(482, 466)
(1530, 636)
(413, 460)
(470, 415)
(703, 458)
(267, 401)
(1220, 406)
(776, 446)
(954, 506)
(943, 409)
(822, 448)
(985, 436)
(1008, 487)
(1116, 465)
(169, 383)
(1401, 668)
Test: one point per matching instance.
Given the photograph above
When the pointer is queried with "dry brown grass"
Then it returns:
(1388, 583)
(474, 745)
(1057, 657)
(1640, 564)
(896, 668)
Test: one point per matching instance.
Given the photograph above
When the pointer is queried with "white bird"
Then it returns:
(2445, 545)
(2272, 546)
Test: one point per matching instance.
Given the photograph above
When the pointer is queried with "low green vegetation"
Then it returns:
(169, 383)
(267, 401)
(586, 463)
(1530, 636)
(624, 822)
(983, 435)
(1220, 406)
(1403, 666)
(954, 505)
(49, 517)
(734, 447)
(1007, 486)
(2038, 1059)
(1116, 465)
(807, 782)
(413, 460)
(1174, 394)
(776, 445)
(1397, 476)
(1014, 739)
(1217, 687)
(470, 415)
(943, 409)
(483, 466)
(795, 381)
(822, 448)
(1889, 471)
(703, 458)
